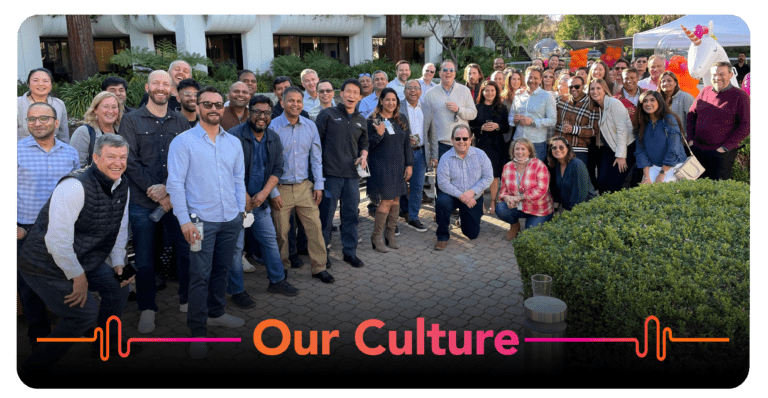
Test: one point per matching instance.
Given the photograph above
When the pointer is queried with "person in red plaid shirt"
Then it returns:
(524, 189)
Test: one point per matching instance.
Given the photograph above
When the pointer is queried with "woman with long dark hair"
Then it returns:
(659, 146)
(678, 100)
(390, 158)
(489, 128)
(569, 179)
(615, 137)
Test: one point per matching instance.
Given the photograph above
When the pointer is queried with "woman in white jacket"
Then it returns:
(615, 141)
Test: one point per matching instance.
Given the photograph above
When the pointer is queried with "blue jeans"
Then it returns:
(262, 231)
(541, 151)
(513, 215)
(441, 150)
(38, 324)
(74, 321)
(348, 191)
(412, 201)
(144, 247)
(208, 269)
(470, 218)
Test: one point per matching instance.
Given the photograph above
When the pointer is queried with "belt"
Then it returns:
(416, 148)
(293, 183)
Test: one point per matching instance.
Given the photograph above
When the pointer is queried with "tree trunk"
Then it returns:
(612, 24)
(82, 51)
(394, 38)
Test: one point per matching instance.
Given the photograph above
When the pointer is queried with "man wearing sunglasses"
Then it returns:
(445, 107)
(206, 174)
(325, 95)
(366, 82)
(463, 174)
(149, 131)
(425, 81)
(577, 121)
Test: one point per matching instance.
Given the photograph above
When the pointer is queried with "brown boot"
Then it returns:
(513, 230)
(377, 240)
(394, 213)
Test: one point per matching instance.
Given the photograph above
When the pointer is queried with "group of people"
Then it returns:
(249, 179)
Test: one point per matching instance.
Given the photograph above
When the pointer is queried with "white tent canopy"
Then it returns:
(730, 31)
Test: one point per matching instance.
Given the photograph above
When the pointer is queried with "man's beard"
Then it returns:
(253, 127)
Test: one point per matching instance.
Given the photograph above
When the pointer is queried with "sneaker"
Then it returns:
(255, 261)
(417, 225)
(397, 231)
(147, 322)
(184, 307)
(242, 300)
(282, 287)
(247, 267)
(198, 349)
(226, 320)
(404, 215)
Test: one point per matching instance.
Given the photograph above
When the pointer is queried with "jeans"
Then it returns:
(470, 218)
(38, 324)
(143, 230)
(347, 190)
(513, 215)
(609, 178)
(262, 231)
(717, 166)
(74, 321)
(441, 150)
(541, 151)
(208, 269)
(412, 201)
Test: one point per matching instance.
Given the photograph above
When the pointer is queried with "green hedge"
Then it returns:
(677, 251)
(742, 165)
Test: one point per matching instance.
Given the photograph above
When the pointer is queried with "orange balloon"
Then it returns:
(578, 58)
(679, 66)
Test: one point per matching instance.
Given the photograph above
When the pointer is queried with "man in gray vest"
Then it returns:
(77, 245)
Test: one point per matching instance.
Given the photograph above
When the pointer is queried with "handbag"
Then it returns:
(363, 172)
(691, 169)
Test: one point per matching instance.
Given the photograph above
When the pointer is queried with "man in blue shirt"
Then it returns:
(206, 178)
(41, 162)
(368, 104)
(301, 149)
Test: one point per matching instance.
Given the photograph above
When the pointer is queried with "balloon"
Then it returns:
(612, 54)
(745, 83)
(679, 66)
(578, 58)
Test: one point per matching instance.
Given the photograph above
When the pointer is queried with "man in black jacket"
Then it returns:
(263, 155)
(344, 138)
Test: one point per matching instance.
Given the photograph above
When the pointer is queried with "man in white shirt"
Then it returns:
(657, 68)
(77, 245)
(427, 73)
(403, 70)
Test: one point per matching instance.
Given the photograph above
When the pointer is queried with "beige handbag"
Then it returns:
(691, 169)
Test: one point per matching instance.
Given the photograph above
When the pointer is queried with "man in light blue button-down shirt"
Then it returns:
(301, 149)
(206, 175)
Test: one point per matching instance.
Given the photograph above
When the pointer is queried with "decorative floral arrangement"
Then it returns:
(700, 31)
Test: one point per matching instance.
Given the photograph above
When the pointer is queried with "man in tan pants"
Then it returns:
(301, 150)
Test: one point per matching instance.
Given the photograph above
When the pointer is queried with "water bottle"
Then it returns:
(157, 214)
(199, 225)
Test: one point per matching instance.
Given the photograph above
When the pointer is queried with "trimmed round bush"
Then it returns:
(678, 251)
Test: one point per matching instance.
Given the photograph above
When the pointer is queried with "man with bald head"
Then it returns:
(149, 131)
(178, 71)
(237, 111)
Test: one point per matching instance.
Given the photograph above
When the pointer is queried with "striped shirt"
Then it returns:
(584, 119)
(456, 175)
(301, 148)
(38, 172)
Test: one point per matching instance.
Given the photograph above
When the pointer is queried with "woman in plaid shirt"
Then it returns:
(524, 189)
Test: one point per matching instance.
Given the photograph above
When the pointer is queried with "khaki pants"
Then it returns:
(299, 197)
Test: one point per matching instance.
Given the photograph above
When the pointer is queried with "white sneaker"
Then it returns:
(147, 322)
(184, 307)
(247, 267)
(198, 350)
(226, 320)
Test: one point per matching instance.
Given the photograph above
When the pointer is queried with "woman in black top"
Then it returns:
(489, 128)
(390, 158)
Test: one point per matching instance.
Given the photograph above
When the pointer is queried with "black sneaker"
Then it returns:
(417, 225)
(282, 287)
(296, 262)
(243, 300)
(255, 260)
(397, 231)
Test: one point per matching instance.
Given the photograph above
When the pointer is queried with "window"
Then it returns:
(333, 46)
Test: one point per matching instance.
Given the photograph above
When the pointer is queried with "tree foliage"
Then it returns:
(165, 53)
(598, 27)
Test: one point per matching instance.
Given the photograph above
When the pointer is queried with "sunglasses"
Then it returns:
(209, 104)
(457, 139)
(451, 70)
(364, 74)
(560, 147)
(575, 87)
(324, 91)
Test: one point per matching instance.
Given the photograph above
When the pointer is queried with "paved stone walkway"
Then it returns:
(471, 286)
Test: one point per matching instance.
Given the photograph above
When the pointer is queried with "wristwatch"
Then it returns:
(662, 171)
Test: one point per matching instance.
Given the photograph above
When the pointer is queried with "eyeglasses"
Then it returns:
(413, 88)
(324, 91)
(558, 147)
(575, 87)
(260, 113)
(364, 74)
(451, 70)
(457, 139)
(188, 94)
(429, 71)
(209, 104)
(42, 119)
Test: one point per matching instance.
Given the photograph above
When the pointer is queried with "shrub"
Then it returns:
(165, 53)
(741, 165)
(77, 96)
(677, 251)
